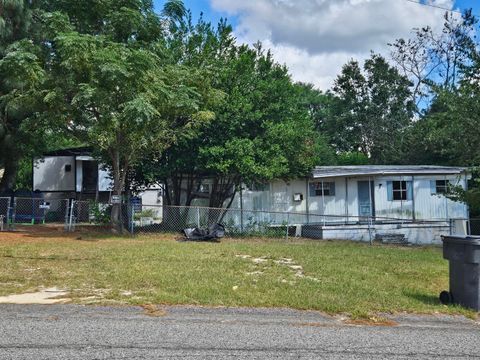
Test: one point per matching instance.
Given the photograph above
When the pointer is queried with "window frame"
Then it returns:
(328, 189)
(445, 186)
(203, 188)
(402, 192)
(258, 187)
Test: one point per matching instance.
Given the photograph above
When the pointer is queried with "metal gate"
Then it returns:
(5, 211)
(474, 225)
(31, 211)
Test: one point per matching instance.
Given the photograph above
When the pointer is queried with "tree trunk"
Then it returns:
(116, 217)
(10, 174)
(223, 189)
(175, 217)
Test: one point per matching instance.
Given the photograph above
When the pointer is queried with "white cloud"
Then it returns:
(316, 37)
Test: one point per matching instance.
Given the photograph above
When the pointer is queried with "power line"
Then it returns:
(434, 6)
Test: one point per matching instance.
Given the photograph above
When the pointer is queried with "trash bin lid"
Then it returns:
(461, 239)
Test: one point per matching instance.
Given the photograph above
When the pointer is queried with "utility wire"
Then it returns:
(434, 6)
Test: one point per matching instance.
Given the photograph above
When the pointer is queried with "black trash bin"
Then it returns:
(463, 255)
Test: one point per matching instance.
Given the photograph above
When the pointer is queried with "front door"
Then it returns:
(90, 176)
(366, 202)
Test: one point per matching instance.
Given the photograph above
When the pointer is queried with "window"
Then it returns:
(68, 168)
(257, 187)
(441, 186)
(328, 189)
(399, 190)
(257, 203)
(203, 188)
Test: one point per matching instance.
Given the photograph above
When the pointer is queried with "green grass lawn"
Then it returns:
(334, 277)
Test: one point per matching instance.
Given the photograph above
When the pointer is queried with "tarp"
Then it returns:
(214, 232)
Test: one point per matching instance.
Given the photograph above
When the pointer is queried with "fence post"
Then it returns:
(70, 222)
(8, 213)
(198, 217)
(14, 210)
(370, 229)
(67, 208)
(131, 219)
(241, 208)
(288, 223)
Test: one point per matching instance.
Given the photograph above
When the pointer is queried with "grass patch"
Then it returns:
(334, 277)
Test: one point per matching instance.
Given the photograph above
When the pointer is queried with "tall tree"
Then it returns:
(125, 21)
(449, 133)
(261, 130)
(124, 101)
(435, 58)
(371, 110)
(108, 85)
(21, 74)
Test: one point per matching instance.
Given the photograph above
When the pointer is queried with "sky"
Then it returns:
(314, 38)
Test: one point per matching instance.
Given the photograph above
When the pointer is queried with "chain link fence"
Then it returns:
(140, 218)
(238, 222)
(474, 225)
(31, 211)
(5, 211)
(90, 213)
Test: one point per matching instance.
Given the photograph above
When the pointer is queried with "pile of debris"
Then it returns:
(392, 239)
(212, 233)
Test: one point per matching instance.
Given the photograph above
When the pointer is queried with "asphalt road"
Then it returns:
(79, 332)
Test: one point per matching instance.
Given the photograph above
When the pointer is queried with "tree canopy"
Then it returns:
(370, 110)
(261, 131)
(164, 99)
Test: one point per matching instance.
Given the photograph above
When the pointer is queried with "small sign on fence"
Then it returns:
(116, 199)
(45, 205)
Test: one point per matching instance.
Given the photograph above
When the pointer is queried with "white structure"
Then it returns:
(70, 173)
(400, 192)
(74, 173)
(387, 199)
(337, 202)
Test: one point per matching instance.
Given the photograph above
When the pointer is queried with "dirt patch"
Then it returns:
(295, 269)
(374, 321)
(153, 310)
(44, 297)
(26, 234)
(53, 232)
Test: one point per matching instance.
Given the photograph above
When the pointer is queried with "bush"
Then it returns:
(148, 213)
(100, 213)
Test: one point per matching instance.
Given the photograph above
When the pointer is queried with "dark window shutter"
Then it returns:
(389, 191)
(409, 190)
(332, 189)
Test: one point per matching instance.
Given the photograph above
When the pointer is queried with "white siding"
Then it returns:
(352, 196)
(152, 201)
(414, 233)
(330, 205)
(49, 174)
(278, 196)
(433, 206)
(398, 209)
(425, 205)
(79, 175)
(105, 182)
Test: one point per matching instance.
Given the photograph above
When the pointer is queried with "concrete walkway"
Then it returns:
(43, 297)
